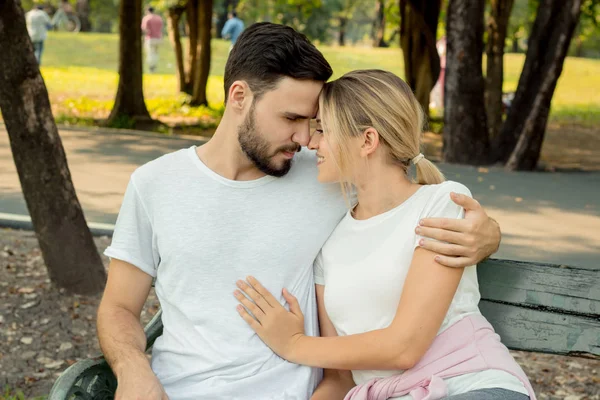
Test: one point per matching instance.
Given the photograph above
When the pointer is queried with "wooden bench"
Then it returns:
(535, 307)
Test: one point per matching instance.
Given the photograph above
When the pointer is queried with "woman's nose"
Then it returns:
(313, 144)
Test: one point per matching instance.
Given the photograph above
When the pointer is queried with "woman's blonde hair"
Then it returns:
(376, 99)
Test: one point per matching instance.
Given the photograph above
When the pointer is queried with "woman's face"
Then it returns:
(327, 155)
(328, 170)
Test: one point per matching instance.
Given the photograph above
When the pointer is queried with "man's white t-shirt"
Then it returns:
(198, 233)
(364, 265)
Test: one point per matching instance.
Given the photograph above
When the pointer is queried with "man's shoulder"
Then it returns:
(162, 168)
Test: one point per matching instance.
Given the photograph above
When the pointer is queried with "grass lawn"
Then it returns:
(80, 72)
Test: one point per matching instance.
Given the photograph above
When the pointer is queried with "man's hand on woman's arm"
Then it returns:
(461, 242)
(121, 335)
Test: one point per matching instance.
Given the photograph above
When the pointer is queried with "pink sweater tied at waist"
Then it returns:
(468, 346)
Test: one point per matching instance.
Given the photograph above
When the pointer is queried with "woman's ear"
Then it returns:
(370, 142)
(239, 95)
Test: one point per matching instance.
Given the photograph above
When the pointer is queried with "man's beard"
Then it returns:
(257, 149)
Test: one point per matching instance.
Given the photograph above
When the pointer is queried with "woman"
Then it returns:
(405, 326)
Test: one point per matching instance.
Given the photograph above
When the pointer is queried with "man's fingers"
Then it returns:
(466, 202)
(254, 295)
(444, 248)
(248, 318)
(250, 305)
(450, 224)
(443, 235)
(269, 298)
(456, 262)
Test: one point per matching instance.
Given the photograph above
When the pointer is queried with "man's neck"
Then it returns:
(223, 154)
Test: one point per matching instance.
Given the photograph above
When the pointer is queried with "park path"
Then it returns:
(550, 217)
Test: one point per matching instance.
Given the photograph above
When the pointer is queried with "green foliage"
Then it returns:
(104, 15)
(80, 74)
(9, 394)
(15, 394)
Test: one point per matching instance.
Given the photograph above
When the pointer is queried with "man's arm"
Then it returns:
(121, 335)
(461, 242)
(336, 383)
(226, 31)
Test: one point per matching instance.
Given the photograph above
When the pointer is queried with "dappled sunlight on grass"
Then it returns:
(81, 75)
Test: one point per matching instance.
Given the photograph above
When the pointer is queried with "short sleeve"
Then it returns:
(318, 270)
(132, 239)
(442, 206)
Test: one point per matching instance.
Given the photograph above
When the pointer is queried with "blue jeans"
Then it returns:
(489, 394)
(38, 48)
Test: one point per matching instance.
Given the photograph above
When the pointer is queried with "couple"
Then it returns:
(248, 203)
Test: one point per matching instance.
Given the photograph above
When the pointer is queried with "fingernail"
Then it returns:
(421, 222)
(285, 291)
(250, 278)
(240, 308)
(437, 258)
(236, 293)
(421, 242)
(418, 230)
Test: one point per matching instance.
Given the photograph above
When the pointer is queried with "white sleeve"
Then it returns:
(442, 206)
(318, 270)
(133, 238)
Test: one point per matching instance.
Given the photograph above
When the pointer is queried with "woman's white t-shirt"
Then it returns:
(364, 264)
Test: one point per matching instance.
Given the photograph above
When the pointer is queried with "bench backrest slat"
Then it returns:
(542, 307)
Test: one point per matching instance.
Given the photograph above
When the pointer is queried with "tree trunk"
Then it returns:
(342, 37)
(515, 43)
(129, 102)
(465, 135)
(379, 25)
(192, 61)
(203, 53)
(66, 243)
(173, 20)
(520, 141)
(418, 27)
(82, 7)
(496, 29)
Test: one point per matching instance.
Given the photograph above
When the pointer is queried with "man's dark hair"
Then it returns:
(265, 53)
(234, 14)
(151, 9)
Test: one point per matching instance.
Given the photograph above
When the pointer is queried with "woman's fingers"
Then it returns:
(248, 318)
(293, 302)
(263, 291)
(254, 295)
(249, 304)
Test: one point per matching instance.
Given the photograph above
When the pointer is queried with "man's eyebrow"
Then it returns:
(295, 116)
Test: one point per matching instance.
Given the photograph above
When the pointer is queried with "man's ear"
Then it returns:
(239, 95)
(370, 143)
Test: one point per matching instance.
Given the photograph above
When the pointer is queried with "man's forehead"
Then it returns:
(294, 98)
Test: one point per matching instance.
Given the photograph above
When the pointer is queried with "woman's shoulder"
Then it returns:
(438, 202)
(445, 188)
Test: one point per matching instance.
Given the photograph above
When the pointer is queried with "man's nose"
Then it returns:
(302, 135)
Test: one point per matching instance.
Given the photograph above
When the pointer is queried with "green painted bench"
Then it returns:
(535, 307)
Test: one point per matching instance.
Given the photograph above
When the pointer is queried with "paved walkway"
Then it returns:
(550, 217)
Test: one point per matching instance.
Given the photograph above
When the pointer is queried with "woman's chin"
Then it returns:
(323, 178)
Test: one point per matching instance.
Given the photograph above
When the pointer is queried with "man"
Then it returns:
(201, 218)
(232, 28)
(38, 23)
(152, 26)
